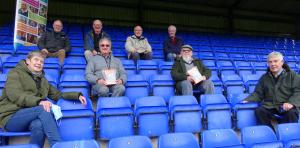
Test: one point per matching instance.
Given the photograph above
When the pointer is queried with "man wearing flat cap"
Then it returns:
(190, 73)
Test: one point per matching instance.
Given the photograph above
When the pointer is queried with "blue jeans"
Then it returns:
(41, 124)
(185, 87)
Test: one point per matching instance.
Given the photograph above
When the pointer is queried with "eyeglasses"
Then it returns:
(104, 45)
(186, 51)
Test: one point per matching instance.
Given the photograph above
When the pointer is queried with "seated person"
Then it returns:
(24, 105)
(91, 39)
(105, 72)
(278, 92)
(183, 73)
(172, 45)
(137, 46)
(55, 43)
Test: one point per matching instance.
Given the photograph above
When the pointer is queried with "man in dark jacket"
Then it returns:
(172, 45)
(91, 40)
(55, 43)
(278, 91)
(23, 102)
(184, 76)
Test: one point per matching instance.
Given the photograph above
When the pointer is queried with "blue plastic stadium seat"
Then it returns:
(244, 113)
(165, 67)
(147, 68)
(220, 138)
(129, 66)
(233, 84)
(178, 140)
(73, 80)
(115, 117)
(217, 83)
(250, 82)
(259, 136)
(162, 85)
(11, 62)
(288, 133)
(4, 135)
(136, 87)
(77, 144)
(74, 112)
(185, 113)
(74, 63)
(152, 116)
(214, 105)
(130, 142)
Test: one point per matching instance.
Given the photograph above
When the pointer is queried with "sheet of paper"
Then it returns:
(196, 75)
(110, 76)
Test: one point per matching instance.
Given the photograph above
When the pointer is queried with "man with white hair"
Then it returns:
(172, 45)
(106, 72)
(184, 73)
(91, 40)
(278, 91)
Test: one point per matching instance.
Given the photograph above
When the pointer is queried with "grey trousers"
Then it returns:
(103, 90)
(186, 87)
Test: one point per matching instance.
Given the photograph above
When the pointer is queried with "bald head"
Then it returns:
(57, 25)
(172, 31)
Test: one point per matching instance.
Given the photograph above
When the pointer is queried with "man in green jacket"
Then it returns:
(189, 73)
(23, 102)
(278, 92)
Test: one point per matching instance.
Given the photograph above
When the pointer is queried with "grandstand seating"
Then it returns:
(288, 133)
(77, 144)
(130, 142)
(238, 60)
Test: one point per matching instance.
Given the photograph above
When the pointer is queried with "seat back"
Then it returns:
(219, 138)
(288, 131)
(176, 140)
(77, 144)
(257, 134)
(130, 142)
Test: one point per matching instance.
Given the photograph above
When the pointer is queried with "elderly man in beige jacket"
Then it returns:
(138, 46)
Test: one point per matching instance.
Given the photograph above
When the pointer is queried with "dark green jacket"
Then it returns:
(272, 95)
(178, 71)
(21, 91)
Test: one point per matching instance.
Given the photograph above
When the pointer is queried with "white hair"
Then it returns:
(275, 54)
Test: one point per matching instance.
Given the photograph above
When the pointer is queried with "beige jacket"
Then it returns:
(140, 45)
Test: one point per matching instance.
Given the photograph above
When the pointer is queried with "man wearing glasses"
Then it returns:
(105, 72)
(55, 43)
(189, 73)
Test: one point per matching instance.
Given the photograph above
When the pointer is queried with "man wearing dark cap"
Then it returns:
(189, 73)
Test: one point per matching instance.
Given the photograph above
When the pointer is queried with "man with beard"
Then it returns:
(278, 91)
(184, 70)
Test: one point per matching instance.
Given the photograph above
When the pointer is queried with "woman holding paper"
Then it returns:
(24, 106)
(105, 72)
(190, 73)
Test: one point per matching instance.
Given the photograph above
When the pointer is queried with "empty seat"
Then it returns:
(178, 140)
(77, 144)
(165, 67)
(185, 113)
(259, 136)
(74, 112)
(216, 111)
(151, 116)
(243, 113)
(217, 83)
(129, 66)
(251, 81)
(74, 63)
(73, 80)
(147, 68)
(220, 138)
(130, 142)
(162, 85)
(136, 87)
(233, 84)
(4, 135)
(115, 117)
(289, 134)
